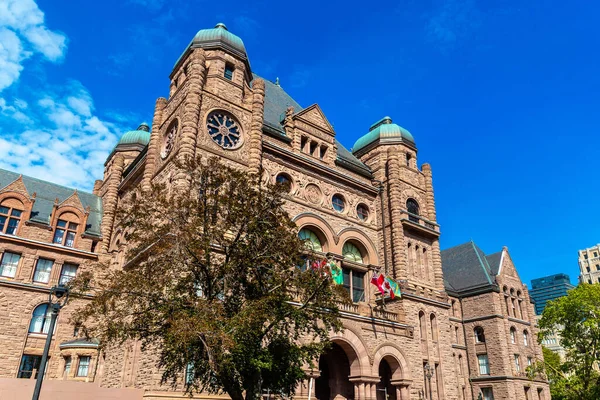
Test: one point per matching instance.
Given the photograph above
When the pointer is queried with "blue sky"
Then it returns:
(502, 97)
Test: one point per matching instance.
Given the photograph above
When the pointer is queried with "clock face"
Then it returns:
(224, 130)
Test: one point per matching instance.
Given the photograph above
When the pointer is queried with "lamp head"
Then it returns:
(60, 290)
(61, 293)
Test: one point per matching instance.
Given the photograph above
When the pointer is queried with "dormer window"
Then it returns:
(10, 216)
(228, 71)
(65, 233)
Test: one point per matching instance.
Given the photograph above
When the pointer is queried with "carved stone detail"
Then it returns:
(313, 194)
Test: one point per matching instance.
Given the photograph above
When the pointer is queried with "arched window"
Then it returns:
(422, 326)
(434, 329)
(311, 240)
(11, 211)
(66, 229)
(285, 181)
(513, 335)
(479, 335)
(352, 253)
(40, 320)
(413, 208)
(525, 338)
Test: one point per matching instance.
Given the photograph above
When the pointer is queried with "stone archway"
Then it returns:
(391, 367)
(385, 389)
(334, 368)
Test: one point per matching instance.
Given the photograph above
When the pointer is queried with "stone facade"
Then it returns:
(370, 210)
(589, 265)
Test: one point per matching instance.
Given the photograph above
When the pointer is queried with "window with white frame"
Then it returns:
(529, 361)
(518, 363)
(43, 267)
(189, 373)
(40, 319)
(84, 366)
(67, 273)
(9, 263)
(513, 334)
(525, 338)
(67, 366)
(484, 364)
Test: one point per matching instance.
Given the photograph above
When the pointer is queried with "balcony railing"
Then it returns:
(420, 223)
(387, 315)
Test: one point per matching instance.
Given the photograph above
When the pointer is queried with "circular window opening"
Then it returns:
(338, 203)
(363, 212)
(224, 130)
(285, 181)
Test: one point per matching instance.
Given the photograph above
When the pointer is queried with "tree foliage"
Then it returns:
(576, 319)
(211, 280)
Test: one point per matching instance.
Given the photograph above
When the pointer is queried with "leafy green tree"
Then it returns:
(576, 318)
(211, 279)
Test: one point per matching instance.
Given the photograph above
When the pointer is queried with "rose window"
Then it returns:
(224, 130)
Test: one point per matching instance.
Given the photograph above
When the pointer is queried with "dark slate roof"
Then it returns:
(47, 192)
(466, 267)
(277, 101)
(494, 262)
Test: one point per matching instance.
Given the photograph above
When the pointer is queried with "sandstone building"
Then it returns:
(466, 315)
(589, 265)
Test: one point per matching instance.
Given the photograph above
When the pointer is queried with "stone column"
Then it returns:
(429, 192)
(110, 199)
(153, 154)
(191, 112)
(397, 245)
(258, 107)
(436, 258)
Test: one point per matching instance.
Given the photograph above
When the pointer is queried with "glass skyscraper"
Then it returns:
(549, 288)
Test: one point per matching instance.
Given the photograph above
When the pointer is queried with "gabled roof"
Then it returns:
(47, 193)
(466, 267)
(494, 262)
(277, 101)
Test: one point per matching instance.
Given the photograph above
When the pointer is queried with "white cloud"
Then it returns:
(51, 44)
(11, 55)
(69, 143)
(22, 35)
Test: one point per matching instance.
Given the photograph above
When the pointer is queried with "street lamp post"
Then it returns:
(428, 374)
(57, 299)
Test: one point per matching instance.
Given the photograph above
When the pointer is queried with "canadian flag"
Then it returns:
(387, 286)
(378, 280)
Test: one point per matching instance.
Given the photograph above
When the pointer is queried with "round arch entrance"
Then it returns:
(333, 382)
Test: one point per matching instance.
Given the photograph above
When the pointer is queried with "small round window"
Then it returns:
(284, 180)
(363, 212)
(338, 203)
(224, 130)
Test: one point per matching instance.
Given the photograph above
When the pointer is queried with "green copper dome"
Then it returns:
(384, 130)
(140, 136)
(219, 36)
